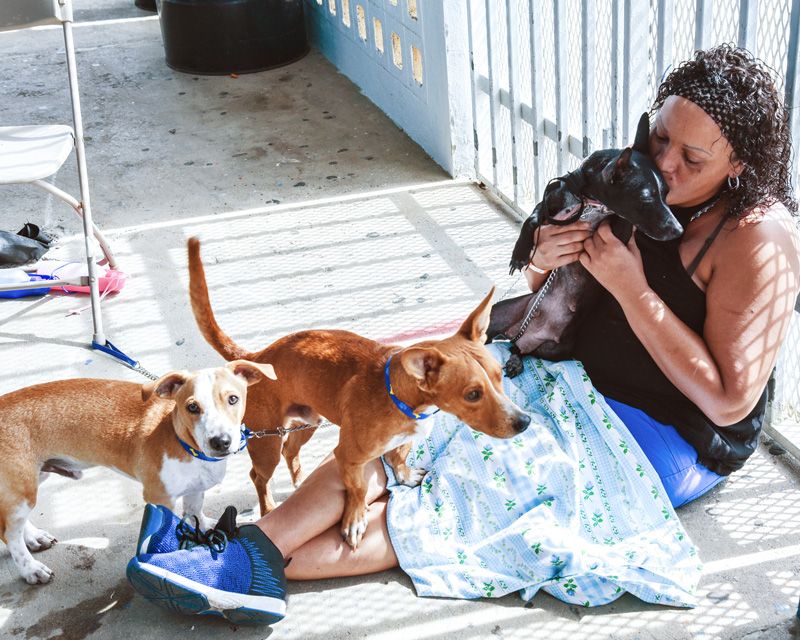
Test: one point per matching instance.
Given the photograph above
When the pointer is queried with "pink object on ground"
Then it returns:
(110, 282)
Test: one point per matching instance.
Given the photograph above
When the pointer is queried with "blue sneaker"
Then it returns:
(240, 578)
(161, 530)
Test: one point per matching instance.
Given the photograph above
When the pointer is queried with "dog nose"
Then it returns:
(220, 443)
(522, 422)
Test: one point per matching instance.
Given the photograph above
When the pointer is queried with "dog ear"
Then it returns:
(642, 139)
(422, 363)
(475, 326)
(252, 372)
(166, 386)
(621, 165)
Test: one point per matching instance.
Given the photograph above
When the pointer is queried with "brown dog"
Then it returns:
(66, 426)
(341, 376)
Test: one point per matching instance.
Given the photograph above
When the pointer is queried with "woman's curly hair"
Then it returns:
(759, 134)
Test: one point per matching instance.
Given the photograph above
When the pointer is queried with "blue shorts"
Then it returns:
(674, 459)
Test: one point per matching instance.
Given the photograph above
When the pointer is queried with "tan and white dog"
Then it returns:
(157, 433)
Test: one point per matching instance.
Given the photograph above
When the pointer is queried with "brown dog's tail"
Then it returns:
(201, 306)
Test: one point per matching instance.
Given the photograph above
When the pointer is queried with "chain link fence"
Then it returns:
(553, 81)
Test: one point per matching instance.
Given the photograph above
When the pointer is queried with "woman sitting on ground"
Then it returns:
(681, 348)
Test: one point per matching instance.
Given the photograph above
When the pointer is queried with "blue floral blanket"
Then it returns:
(571, 506)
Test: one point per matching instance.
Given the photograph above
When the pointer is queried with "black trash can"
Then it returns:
(216, 37)
(146, 5)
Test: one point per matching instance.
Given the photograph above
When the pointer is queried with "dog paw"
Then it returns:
(513, 366)
(516, 264)
(411, 476)
(35, 572)
(353, 530)
(38, 539)
(203, 521)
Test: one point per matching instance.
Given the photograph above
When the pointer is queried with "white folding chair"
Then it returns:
(32, 153)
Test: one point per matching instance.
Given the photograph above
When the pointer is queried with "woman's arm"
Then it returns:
(750, 295)
(555, 246)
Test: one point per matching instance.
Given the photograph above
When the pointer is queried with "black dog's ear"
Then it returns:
(621, 165)
(642, 134)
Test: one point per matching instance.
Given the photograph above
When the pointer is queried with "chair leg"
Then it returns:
(72, 202)
(85, 206)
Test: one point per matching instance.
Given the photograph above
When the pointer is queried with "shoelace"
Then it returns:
(191, 536)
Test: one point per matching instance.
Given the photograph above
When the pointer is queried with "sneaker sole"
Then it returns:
(176, 593)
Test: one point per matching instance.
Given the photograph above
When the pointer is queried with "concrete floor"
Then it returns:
(315, 211)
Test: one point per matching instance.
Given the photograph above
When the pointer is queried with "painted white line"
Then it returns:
(738, 562)
(103, 23)
(91, 23)
(305, 204)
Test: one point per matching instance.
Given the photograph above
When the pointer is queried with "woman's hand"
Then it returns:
(615, 265)
(556, 245)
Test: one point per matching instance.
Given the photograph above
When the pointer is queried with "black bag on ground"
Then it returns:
(27, 245)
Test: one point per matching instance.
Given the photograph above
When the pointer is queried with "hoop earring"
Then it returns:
(733, 185)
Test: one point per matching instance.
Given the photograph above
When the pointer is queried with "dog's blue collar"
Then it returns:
(244, 431)
(408, 411)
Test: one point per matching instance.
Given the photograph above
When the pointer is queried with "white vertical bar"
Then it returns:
(748, 25)
(481, 95)
(704, 23)
(616, 75)
(793, 86)
(494, 93)
(536, 97)
(513, 85)
(626, 68)
(664, 38)
(634, 89)
(561, 62)
(475, 90)
(459, 88)
(588, 49)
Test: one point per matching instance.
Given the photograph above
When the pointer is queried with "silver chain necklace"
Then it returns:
(705, 209)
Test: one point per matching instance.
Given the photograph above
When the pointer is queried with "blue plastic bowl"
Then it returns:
(21, 293)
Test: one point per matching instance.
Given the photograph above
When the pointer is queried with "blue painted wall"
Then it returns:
(422, 111)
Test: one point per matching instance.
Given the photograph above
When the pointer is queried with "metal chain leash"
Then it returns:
(147, 374)
(282, 431)
(134, 365)
(535, 306)
(262, 433)
(511, 288)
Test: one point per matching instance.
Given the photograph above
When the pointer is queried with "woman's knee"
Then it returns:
(327, 473)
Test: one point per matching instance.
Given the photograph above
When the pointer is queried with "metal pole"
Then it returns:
(588, 49)
(792, 82)
(536, 98)
(560, 55)
(748, 25)
(703, 26)
(97, 320)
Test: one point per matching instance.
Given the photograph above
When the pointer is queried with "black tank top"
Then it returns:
(620, 367)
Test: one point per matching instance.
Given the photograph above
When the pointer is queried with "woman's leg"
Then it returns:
(316, 508)
(328, 556)
(675, 460)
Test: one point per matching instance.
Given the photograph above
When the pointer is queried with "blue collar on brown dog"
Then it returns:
(408, 411)
(202, 456)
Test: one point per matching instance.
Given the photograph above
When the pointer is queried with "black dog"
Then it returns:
(622, 182)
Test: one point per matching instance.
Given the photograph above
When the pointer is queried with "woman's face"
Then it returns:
(690, 151)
